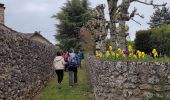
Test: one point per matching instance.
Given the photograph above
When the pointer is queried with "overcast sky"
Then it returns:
(35, 15)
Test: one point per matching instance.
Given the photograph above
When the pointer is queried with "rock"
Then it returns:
(145, 87)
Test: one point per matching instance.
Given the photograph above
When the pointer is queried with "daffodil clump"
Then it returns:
(155, 53)
(129, 54)
(99, 54)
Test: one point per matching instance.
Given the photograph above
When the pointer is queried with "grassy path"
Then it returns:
(79, 92)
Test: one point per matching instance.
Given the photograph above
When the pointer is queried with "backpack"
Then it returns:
(72, 61)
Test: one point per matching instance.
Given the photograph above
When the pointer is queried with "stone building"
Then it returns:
(36, 36)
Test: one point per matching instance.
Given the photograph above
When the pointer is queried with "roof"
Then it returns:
(29, 35)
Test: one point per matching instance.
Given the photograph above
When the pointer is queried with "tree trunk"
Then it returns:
(122, 24)
(112, 4)
(122, 35)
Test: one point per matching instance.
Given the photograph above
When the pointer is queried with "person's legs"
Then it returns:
(70, 78)
(75, 75)
(80, 64)
(58, 77)
(62, 75)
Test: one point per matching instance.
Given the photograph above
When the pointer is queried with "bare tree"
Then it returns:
(119, 14)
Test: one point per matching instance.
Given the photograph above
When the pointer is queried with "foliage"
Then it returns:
(130, 55)
(71, 18)
(160, 17)
(126, 55)
(158, 38)
(142, 41)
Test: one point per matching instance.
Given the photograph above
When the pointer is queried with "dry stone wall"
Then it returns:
(25, 66)
(128, 80)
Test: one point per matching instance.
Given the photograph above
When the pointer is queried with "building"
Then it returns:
(36, 36)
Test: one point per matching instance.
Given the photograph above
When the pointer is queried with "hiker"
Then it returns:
(80, 56)
(58, 64)
(65, 55)
(72, 67)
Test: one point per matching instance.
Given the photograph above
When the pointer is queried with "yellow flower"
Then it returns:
(110, 48)
(131, 55)
(97, 53)
(130, 48)
(155, 53)
(119, 49)
(117, 55)
(107, 54)
(142, 54)
(100, 55)
(139, 53)
(113, 54)
(134, 56)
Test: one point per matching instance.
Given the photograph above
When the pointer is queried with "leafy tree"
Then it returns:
(160, 39)
(142, 41)
(155, 38)
(160, 17)
(72, 17)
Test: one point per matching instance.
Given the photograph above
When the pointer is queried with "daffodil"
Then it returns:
(117, 55)
(131, 55)
(110, 48)
(142, 54)
(107, 54)
(139, 53)
(130, 49)
(134, 56)
(113, 54)
(155, 53)
(100, 55)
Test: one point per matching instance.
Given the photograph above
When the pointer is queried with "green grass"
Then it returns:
(81, 91)
(166, 59)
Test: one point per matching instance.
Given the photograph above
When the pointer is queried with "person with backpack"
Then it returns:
(65, 56)
(80, 56)
(59, 64)
(72, 67)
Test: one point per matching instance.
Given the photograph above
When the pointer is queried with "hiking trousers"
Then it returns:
(71, 72)
(60, 74)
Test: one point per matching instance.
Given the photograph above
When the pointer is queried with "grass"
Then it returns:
(81, 91)
(165, 59)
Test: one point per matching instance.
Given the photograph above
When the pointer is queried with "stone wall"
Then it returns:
(128, 80)
(25, 66)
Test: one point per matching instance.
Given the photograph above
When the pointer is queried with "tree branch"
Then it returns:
(151, 3)
(135, 21)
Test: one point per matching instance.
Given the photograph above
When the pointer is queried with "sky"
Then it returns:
(28, 16)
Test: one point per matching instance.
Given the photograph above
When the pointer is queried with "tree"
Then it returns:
(119, 14)
(155, 38)
(142, 41)
(160, 17)
(72, 17)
